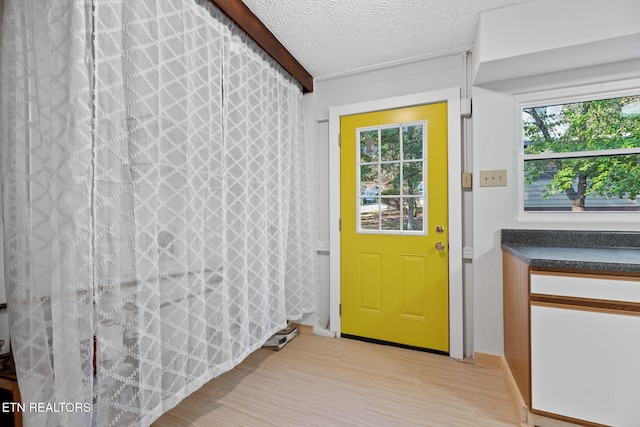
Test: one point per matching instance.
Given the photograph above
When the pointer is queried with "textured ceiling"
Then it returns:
(332, 37)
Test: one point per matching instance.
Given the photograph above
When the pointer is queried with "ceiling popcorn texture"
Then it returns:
(333, 37)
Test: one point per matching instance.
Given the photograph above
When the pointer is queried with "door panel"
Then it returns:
(371, 293)
(394, 282)
(412, 287)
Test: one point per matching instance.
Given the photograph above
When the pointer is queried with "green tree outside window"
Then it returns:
(608, 124)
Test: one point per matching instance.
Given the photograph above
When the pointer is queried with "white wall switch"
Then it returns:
(493, 178)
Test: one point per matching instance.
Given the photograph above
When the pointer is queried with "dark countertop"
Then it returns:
(576, 250)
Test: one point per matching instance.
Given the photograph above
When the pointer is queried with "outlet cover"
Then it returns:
(493, 178)
(466, 180)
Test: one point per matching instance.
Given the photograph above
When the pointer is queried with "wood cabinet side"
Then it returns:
(517, 350)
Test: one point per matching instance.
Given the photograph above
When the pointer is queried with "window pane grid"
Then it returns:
(390, 179)
(582, 156)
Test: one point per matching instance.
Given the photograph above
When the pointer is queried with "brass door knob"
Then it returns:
(440, 246)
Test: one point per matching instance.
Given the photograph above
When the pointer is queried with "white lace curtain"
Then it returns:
(154, 203)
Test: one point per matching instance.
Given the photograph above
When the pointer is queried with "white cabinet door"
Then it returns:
(586, 365)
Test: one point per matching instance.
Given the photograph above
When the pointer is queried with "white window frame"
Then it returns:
(565, 96)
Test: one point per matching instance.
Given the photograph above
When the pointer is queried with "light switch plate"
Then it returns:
(493, 178)
(466, 180)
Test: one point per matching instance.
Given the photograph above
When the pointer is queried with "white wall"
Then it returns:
(548, 36)
(495, 136)
(545, 25)
(427, 75)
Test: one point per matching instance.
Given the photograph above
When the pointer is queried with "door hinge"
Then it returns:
(340, 309)
(339, 140)
(339, 224)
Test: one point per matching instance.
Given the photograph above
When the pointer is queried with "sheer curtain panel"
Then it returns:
(154, 197)
(46, 186)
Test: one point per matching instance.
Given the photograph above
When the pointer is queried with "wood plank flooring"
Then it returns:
(317, 381)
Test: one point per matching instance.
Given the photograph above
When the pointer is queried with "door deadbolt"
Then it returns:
(439, 229)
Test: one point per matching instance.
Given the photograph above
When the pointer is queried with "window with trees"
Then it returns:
(582, 156)
(391, 178)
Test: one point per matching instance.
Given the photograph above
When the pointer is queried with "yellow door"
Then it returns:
(394, 262)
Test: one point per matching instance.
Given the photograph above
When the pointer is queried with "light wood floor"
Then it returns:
(317, 381)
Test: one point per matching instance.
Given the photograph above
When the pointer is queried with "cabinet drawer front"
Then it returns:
(586, 286)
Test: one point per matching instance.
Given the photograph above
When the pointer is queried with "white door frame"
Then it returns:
(452, 97)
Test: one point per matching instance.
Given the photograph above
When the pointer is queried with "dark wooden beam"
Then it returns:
(239, 13)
